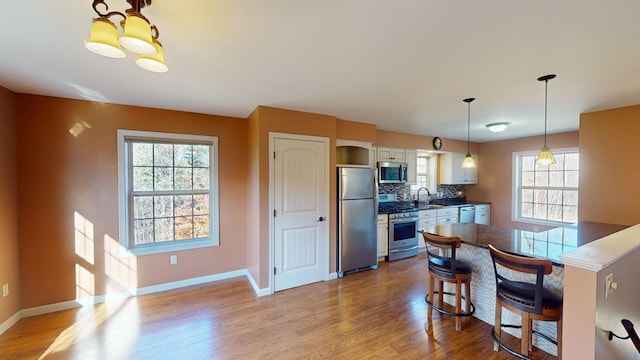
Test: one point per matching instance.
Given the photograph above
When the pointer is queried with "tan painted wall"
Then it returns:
(60, 174)
(9, 250)
(579, 313)
(495, 173)
(411, 141)
(609, 173)
(357, 131)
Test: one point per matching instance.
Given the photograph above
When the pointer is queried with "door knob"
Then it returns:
(321, 218)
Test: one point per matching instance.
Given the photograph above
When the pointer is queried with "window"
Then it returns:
(168, 198)
(546, 193)
(422, 171)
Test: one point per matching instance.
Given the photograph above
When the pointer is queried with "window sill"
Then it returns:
(164, 248)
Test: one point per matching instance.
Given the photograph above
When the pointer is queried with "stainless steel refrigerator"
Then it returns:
(357, 214)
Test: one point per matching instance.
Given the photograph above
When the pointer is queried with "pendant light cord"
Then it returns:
(468, 124)
(546, 82)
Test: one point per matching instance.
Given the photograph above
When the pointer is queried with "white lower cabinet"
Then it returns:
(426, 219)
(383, 234)
(447, 215)
(483, 214)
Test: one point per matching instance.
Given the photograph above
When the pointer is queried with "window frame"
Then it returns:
(517, 185)
(125, 219)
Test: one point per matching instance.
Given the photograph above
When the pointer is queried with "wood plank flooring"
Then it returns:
(374, 314)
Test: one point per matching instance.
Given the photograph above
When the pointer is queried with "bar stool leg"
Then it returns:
(431, 286)
(526, 334)
(458, 305)
(497, 325)
(559, 337)
(467, 297)
(441, 294)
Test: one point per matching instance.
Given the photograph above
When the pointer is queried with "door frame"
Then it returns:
(272, 139)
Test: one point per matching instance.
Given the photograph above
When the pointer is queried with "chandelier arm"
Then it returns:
(155, 33)
(95, 5)
(138, 4)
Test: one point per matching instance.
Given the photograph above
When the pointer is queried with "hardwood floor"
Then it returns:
(374, 314)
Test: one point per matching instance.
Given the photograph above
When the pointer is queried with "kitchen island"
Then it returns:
(548, 244)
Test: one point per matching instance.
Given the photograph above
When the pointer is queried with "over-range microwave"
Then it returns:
(392, 172)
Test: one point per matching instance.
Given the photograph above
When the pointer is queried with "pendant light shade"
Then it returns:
(137, 35)
(154, 63)
(104, 39)
(468, 161)
(545, 157)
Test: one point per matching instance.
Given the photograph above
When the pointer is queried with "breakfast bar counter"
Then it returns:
(547, 244)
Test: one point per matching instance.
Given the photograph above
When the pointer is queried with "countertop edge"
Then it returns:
(603, 252)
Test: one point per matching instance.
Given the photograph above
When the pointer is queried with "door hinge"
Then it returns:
(274, 212)
(274, 154)
(274, 271)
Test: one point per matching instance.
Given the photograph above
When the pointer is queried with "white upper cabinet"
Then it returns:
(452, 172)
(391, 154)
(411, 158)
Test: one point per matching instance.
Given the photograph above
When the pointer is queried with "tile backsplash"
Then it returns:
(403, 191)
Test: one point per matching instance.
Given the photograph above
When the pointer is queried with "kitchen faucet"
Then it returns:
(418, 194)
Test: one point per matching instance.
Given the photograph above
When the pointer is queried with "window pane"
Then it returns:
(201, 156)
(143, 231)
(163, 154)
(164, 229)
(540, 196)
(528, 163)
(184, 228)
(142, 178)
(570, 214)
(527, 210)
(559, 165)
(555, 212)
(184, 178)
(163, 178)
(571, 178)
(527, 195)
(572, 162)
(556, 178)
(142, 154)
(183, 155)
(540, 211)
(201, 179)
(570, 197)
(542, 178)
(528, 178)
(201, 204)
(555, 197)
(143, 207)
(163, 206)
(201, 226)
(184, 205)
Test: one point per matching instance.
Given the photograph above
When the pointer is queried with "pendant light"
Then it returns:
(468, 161)
(545, 157)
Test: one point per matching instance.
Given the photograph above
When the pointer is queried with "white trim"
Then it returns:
(123, 218)
(326, 141)
(12, 320)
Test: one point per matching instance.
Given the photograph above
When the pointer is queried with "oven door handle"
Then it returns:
(403, 220)
(403, 249)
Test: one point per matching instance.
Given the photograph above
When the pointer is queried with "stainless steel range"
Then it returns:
(403, 227)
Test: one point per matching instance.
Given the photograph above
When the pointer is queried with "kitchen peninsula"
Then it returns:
(549, 244)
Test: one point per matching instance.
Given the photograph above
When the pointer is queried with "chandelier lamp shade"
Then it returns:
(138, 35)
(545, 157)
(468, 161)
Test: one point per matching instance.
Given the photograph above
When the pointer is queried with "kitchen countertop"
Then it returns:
(402, 206)
(549, 244)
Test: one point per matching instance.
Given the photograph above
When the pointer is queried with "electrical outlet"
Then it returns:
(173, 259)
(5, 290)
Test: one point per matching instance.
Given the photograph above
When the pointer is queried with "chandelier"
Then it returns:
(138, 36)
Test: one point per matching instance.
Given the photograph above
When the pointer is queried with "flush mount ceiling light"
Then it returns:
(497, 127)
(545, 157)
(138, 36)
(468, 159)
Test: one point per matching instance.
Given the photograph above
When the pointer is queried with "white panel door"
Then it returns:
(300, 193)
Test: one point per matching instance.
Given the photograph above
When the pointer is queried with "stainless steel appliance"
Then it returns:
(357, 214)
(467, 214)
(392, 172)
(403, 235)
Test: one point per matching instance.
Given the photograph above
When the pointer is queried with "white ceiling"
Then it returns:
(404, 65)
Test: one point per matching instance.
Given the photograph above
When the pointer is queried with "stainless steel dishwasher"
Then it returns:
(467, 214)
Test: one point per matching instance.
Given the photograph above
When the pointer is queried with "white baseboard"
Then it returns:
(10, 322)
(333, 276)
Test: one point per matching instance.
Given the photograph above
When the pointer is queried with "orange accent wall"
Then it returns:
(9, 249)
(411, 141)
(357, 131)
(495, 173)
(62, 171)
(609, 172)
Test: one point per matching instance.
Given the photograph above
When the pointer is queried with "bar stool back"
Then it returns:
(530, 300)
(450, 270)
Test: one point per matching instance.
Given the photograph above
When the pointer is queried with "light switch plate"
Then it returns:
(608, 288)
(5, 290)
(173, 259)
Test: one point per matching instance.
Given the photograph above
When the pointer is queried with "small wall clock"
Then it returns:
(437, 143)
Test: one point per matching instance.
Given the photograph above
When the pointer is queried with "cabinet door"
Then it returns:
(411, 158)
(382, 239)
(452, 172)
(390, 154)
